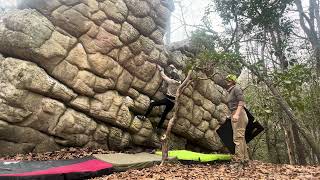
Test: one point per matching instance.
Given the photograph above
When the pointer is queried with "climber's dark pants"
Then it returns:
(168, 101)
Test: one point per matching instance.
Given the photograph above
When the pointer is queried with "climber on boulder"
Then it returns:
(168, 100)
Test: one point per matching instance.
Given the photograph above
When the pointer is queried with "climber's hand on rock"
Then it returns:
(159, 67)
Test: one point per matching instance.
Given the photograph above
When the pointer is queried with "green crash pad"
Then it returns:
(194, 156)
(123, 162)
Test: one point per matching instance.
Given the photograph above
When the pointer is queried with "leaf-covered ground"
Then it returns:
(254, 170)
(226, 170)
(70, 153)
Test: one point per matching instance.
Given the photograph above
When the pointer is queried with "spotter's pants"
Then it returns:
(239, 130)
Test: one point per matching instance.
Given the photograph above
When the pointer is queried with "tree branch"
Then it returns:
(302, 15)
(317, 15)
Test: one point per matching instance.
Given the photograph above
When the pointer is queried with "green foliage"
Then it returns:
(230, 62)
(311, 100)
(208, 59)
(291, 83)
(294, 77)
(261, 13)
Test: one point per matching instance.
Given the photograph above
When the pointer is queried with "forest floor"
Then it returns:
(178, 171)
(253, 170)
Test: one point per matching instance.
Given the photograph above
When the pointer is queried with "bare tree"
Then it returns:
(310, 23)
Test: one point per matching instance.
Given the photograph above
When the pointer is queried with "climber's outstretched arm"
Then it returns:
(164, 76)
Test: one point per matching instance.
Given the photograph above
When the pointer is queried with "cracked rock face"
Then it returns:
(75, 73)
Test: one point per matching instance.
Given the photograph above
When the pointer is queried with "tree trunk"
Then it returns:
(313, 157)
(289, 142)
(165, 138)
(278, 159)
(286, 126)
(266, 130)
(300, 149)
(277, 42)
(285, 106)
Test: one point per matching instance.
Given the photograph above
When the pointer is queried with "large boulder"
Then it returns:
(76, 74)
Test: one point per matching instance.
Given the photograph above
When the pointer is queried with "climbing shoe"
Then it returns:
(158, 131)
(141, 117)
